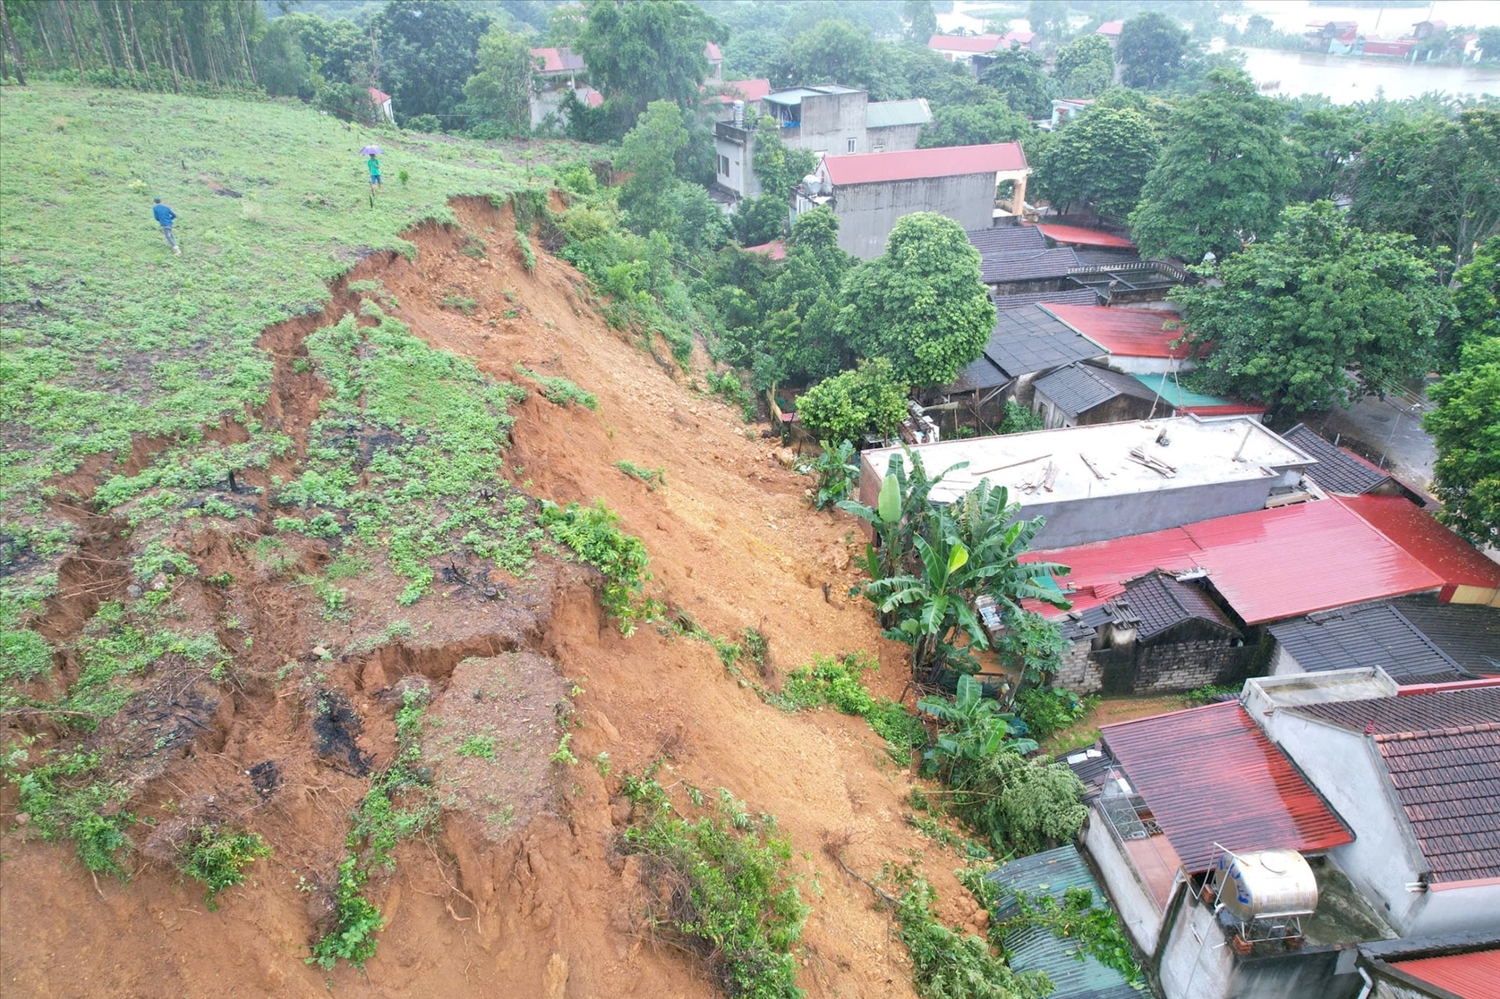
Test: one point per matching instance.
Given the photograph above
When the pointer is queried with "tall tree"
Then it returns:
(1084, 67)
(648, 153)
(973, 125)
(1019, 77)
(1048, 18)
(834, 51)
(499, 90)
(1465, 429)
(638, 53)
(1223, 176)
(1151, 48)
(1318, 314)
(921, 21)
(800, 333)
(1436, 178)
(1325, 139)
(920, 304)
(428, 50)
(1101, 158)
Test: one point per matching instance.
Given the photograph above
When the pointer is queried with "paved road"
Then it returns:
(1392, 428)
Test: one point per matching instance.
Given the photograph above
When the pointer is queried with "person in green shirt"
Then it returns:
(374, 165)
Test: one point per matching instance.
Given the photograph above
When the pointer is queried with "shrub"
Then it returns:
(836, 471)
(1046, 710)
(218, 856)
(594, 535)
(560, 391)
(652, 477)
(836, 682)
(854, 403)
(356, 921)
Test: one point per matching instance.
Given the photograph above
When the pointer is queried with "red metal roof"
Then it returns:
(712, 54)
(775, 249)
(748, 90)
(1125, 332)
(916, 164)
(1475, 975)
(965, 43)
(379, 96)
(1268, 564)
(1210, 775)
(1077, 235)
(1424, 539)
(558, 60)
(1376, 46)
(1109, 28)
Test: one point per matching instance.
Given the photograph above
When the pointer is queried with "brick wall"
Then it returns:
(1163, 667)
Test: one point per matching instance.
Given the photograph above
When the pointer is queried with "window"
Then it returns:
(723, 166)
(879, 147)
(850, 145)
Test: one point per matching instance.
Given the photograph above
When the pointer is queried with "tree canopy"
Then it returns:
(428, 50)
(1019, 77)
(845, 407)
(1101, 158)
(920, 304)
(643, 52)
(1320, 312)
(1151, 50)
(498, 91)
(1465, 429)
(1223, 176)
(648, 153)
(973, 125)
(1084, 67)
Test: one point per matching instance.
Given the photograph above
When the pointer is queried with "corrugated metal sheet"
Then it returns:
(1127, 332)
(1052, 873)
(1475, 975)
(917, 164)
(891, 114)
(1210, 775)
(1077, 235)
(978, 44)
(1424, 539)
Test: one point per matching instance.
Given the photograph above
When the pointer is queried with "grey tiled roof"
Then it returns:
(1160, 601)
(1375, 634)
(1079, 387)
(1007, 239)
(1337, 471)
(1030, 339)
(1027, 265)
(1078, 296)
(1468, 633)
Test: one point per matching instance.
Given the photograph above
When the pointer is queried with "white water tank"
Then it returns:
(1269, 884)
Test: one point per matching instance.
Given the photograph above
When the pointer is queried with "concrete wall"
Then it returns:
(1121, 407)
(1101, 518)
(737, 145)
(868, 212)
(891, 139)
(829, 121)
(1132, 900)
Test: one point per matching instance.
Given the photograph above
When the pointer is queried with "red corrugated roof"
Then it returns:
(1424, 539)
(591, 97)
(379, 96)
(1210, 775)
(916, 164)
(775, 249)
(1268, 564)
(965, 43)
(748, 90)
(1475, 975)
(1229, 409)
(1125, 332)
(1077, 235)
(1109, 28)
(712, 53)
(558, 60)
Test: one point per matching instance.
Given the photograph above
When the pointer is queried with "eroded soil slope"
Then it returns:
(523, 891)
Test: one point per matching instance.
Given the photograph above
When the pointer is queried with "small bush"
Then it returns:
(729, 388)
(528, 255)
(594, 535)
(652, 477)
(836, 682)
(478, 746)
(851, 404)
(836, 471)
(218, 856)
(453, 300)
(356, 921)
(560, 391)
(1047, 709)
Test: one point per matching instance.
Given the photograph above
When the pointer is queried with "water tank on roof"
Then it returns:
(1269, 884)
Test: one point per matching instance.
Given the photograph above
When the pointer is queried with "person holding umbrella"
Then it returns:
(374, 164)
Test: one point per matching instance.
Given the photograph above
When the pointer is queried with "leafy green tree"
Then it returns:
(1151, 49)
(1320, 312)
(973, 125)
(337, 51)
(428, 50)
(1222, 179)
(1021, 804)
(648, 153)
(760, 220)
(854, 403)
(499, 91)
(639, 53)
(834, 51)
(1476, 295)
(779, 168)
(1465, 429)
(1101, 158)
(1084, 67)
(921, 21)
(699, 225)
(1021, 80)
(280, 63)
(1049, 19)
(920, 304)
(1489, 44)
(1325, 139)
(1435, 178)
(800, 337)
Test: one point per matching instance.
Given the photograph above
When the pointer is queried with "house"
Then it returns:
(1026, 343)
(1080, 296)
(715, 64)
(1330, 36)
(1102, 482)
(1468, 633)
(1067, 107)
(1028, 259)
(1111, 32)
(382, 102)
(1024, 271)
(870, 192)
(1285, 561)
(1074, 973)
(824, 119)
(1083, 393)
(1373, 810)
(1346, 473)
(1138, 341)
(1398, 48)
(977, 50)
(557, 72)
(1372, 634)
(1458, 966)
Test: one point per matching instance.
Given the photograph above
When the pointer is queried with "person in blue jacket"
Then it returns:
(165, 217)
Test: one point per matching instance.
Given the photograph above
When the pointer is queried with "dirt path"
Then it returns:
(544, 906)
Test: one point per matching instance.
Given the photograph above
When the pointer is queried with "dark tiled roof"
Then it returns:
(1079, 387)
(1366, 635)
(1078, 296)
(1089, 766)
(1442, 752)
(1184, 763)
(1007, 239)
(1337, 471)
(1027, 265)
(1467, 633)
(1159, 602)
(1074, 975)
(1029, 340)
(1105, 258)
(980, 376)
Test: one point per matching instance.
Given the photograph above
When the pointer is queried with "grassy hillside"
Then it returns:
(105, 333)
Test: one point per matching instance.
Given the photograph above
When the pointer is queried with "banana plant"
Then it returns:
(974, 727)
(901, 513)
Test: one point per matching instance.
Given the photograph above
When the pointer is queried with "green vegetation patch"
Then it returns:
(560, 391)
(720, 881)
(68, 796)
(218, 856)
(835, 682)
(594, 535)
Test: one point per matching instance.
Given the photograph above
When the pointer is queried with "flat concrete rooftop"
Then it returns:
(1201, 451)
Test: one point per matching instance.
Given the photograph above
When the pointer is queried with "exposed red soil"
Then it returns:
(526, 894)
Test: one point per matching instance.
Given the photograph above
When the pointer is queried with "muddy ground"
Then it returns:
(522, 891)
